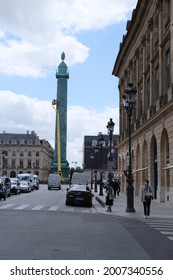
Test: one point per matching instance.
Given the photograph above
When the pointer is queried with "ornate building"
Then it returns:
(25, 153)
(97, 159)
(145, 59)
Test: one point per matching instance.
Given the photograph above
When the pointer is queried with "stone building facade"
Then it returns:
(145, 59)
(25, 153)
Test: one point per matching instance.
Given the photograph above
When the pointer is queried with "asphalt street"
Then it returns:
(39, 226)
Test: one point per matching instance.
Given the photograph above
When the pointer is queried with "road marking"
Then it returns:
(6, 206)
(38, 207)
(69, 209)
(163, 228)
(167, 232)
(21, 207)
(170, 237)
(53, 208)
(159, 224)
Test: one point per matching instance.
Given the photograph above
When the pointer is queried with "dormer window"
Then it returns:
(6, 141)
(14, 142)
(30, 142)
(22, 141)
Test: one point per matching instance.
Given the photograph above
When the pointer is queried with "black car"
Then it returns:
(79, 195)
(5, 187)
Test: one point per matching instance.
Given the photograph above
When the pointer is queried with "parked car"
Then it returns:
(25, 186)
(15, 185)
(5, 187)
(36, 182)
(79, 195)
(27, 177)
(54, 181)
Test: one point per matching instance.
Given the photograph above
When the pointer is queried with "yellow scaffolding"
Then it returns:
(54, 102)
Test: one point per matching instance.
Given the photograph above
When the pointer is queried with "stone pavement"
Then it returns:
(157, 210)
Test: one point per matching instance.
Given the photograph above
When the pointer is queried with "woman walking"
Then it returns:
(146, 197)
(109, 197)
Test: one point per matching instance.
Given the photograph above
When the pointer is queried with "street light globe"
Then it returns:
(130, 94)
(110, 126)
(101, 139)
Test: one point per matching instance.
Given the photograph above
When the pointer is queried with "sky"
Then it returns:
(33, 35)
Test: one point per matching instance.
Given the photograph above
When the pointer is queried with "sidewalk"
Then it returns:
(158, 210)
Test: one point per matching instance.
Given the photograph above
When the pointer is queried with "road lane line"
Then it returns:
(170, 237)
(167, 232)
(163, 228)
(53, 208)
(21, 207)
(6, 206)
(38, 207)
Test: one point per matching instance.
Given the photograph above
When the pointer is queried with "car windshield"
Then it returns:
(24, 182)
(24, 178)
(13, 181)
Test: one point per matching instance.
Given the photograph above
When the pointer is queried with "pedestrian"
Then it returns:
(109, 197)
(146, 197)
(116, 187)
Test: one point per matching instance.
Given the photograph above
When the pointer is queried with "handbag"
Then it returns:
(147, 197)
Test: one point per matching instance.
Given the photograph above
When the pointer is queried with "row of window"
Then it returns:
(21, 153)
(21, 164)
(19, 142)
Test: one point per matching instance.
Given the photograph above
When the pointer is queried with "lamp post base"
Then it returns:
(130, 210)
(130, 201)
(101, 184)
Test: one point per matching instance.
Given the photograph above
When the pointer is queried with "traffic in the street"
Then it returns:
(39, 225)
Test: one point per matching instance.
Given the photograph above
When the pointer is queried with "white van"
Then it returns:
(54, 181)
(36, 182)
(79, 178)
(27, 177)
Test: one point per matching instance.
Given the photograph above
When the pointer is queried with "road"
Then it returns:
(39, 226)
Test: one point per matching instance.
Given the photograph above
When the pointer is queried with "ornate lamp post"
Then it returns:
(4, 163)
(100, 143)
(129, 99)
(91, 158)
(95, 151)
(110, 128)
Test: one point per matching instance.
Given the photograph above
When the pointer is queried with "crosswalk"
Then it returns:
(51, 208)
(164, 226)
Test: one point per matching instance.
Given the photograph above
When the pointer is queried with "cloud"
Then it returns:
(19, 113)
(34, 33)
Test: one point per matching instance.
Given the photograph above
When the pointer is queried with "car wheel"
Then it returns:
(4, 198)
(67, 203)
(9, 194)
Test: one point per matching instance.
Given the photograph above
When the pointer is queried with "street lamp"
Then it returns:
(100, 143)
(129, 99)
(110, 128)
(55, 107)
(95, 151)
(91, 158)
(4, 163)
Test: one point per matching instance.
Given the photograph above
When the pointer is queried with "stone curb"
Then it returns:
(100, 201)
